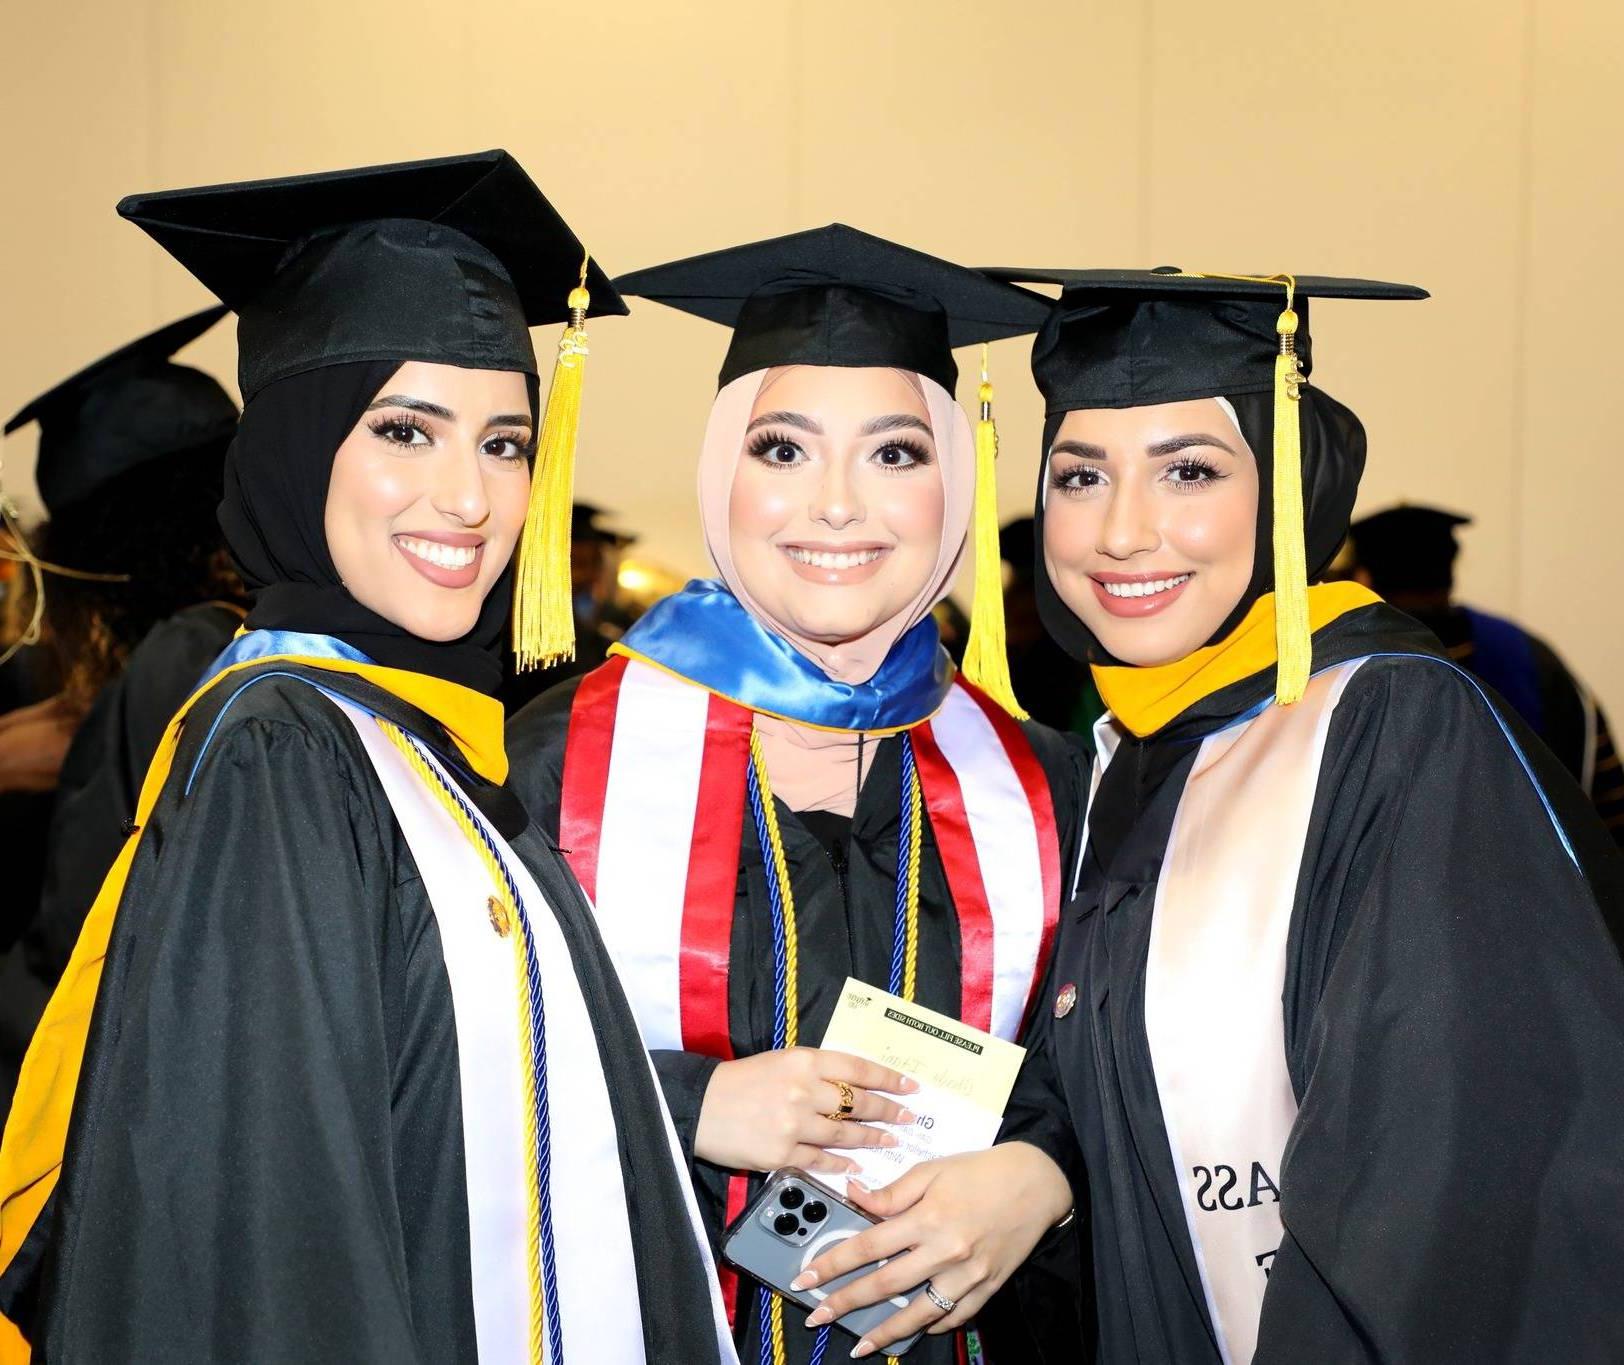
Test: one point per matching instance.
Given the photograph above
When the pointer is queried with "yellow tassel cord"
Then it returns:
(1293, 640)
(505, 919)
(792, 955)
(543, 616)
(1294, 643)
(986, 656)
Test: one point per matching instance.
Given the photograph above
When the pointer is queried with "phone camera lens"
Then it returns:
(815, 1212)
(792, 1196)
(786, 1224)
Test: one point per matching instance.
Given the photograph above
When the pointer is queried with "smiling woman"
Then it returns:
(428, 495)
(835, 517)
(778, 782)
(1331, 1040)
(1149, 517)
(359, 1081)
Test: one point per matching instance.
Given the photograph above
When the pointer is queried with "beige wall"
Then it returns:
(1469, 145)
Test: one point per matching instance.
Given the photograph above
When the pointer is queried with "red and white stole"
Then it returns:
(1214, 986)
(653, 807)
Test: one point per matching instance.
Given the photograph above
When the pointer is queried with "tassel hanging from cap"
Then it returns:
(986, 656)
(1294, 641)
(543, 612)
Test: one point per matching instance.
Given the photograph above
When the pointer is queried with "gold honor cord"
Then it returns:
(1294, 644)
(508, 923)
(792, 1031)
(916, 820)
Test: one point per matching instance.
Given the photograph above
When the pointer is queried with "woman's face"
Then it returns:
(428, 495)
(1149, 526)
(836, 507)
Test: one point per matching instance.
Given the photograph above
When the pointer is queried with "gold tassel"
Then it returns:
(1293, 640)
(543, 612)
(986, 656)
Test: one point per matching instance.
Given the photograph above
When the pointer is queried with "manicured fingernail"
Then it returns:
(865, 1347)
(888, 1139)
(805, 1280)
(907, 1116)
(866, 1189)
(818, 1317)
(909, 1085)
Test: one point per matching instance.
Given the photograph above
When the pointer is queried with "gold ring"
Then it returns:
(847, 1102)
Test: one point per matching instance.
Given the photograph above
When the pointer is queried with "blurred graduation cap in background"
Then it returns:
(127, 408)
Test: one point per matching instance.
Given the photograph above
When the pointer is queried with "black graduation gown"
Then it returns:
(844, 912)
(1453, 1014)
(95, 794)
(265, 1159)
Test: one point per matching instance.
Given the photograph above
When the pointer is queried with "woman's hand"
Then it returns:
(965, 1222)
(772, 1110)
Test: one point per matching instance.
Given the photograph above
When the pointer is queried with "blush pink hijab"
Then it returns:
(812, 769)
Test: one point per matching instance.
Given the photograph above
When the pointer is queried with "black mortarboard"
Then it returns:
(1131, 338)
(1406, 547)
(837, 296)
(586, 527)
(129, 407)
(449, 261)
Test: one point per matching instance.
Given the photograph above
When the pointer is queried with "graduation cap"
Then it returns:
(1407, 547)
(585, 525)
(1134, 338)
(836, 296)
(130, 407)
(1131, 338)
(449, 261)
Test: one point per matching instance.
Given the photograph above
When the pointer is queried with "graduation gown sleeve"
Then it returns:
(235, 1129)
(101, 776)
(1454, 1188)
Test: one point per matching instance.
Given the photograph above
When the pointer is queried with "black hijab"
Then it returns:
(274, 518)
(1333, 456)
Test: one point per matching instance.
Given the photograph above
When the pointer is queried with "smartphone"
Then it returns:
(793, 1221)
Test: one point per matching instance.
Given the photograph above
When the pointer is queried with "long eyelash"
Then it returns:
(387, 422)
(525, 446)
(1195, 462)
(1059, 478)
(763, 441)
(917, 449)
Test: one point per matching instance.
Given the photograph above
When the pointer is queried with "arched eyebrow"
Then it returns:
(428, 409)
(1173, 444)
(896, 421)
(1081, 449)
(402, 400)
(785, 419)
